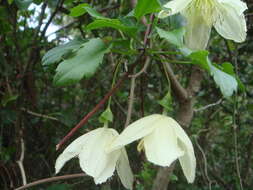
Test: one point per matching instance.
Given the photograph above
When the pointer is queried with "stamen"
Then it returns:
(208, 9)
(140, 145)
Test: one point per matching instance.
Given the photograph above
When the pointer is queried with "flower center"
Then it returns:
(209, 10)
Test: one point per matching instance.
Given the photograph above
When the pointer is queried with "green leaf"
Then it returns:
(144, 7)
(23, 4)
(112, 23)
(10, 2)
(166, 102)
(241, 86)
(130, 14)
(228, 68)
(106, 116)
(78, 10)
(58, 53)
(83, 8)
(92, 12)
(173, 178)
(59, 187)
(225, 80)
(84, 63)
(8, 98)
(104, 22)
(231, 45)
(175, 37)
(200, 58)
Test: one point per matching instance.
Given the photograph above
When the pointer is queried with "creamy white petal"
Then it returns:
(237, 4)
(110, 167)
(135, 131)
(124, 170)
(161, 145)
(73, 149)
(93, 158)
(197, 31)
(232, 25)
(174, 6)
(188, 160)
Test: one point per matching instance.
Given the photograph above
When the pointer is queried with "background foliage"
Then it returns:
(38, 108)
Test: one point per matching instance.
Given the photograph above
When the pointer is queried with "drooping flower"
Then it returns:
(164, 141)
(94, 160)
(225, 15)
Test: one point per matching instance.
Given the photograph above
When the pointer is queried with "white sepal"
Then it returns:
(135, 131)
(174, 6)
(161, 146)
(93, 159)
(73, 150)
(188, 160)
(232, 25)
(124, 171)
(163, 140)
(197, 31)
(225, 15)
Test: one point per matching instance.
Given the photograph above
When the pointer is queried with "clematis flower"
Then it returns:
(94, 160)
(164, 141)
(225, 15)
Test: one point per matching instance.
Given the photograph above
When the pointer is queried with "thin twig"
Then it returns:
(205, 164)
(119, 105)
(248, 162)
(132, 87)
(109, 8)
(39, 115)
(235, 123)
(236, 157)
(8, 175)
(41, 17)
(208, 106)
(149, 27)
(130, 102)
(62, 28)
(50, 179)
(143, 70)
(51, 18)
(20, 162)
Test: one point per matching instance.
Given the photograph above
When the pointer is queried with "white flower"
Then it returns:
(225, 15)
(164, 141)
(94, 160)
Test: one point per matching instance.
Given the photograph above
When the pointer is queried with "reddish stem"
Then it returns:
(94, 110)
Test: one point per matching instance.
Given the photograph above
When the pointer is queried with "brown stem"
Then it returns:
(51, 179)
(60, 3)
(147, 60)
(41, 17)
(130, 102)
(177, 88)
(162, 177)
(132, 89)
